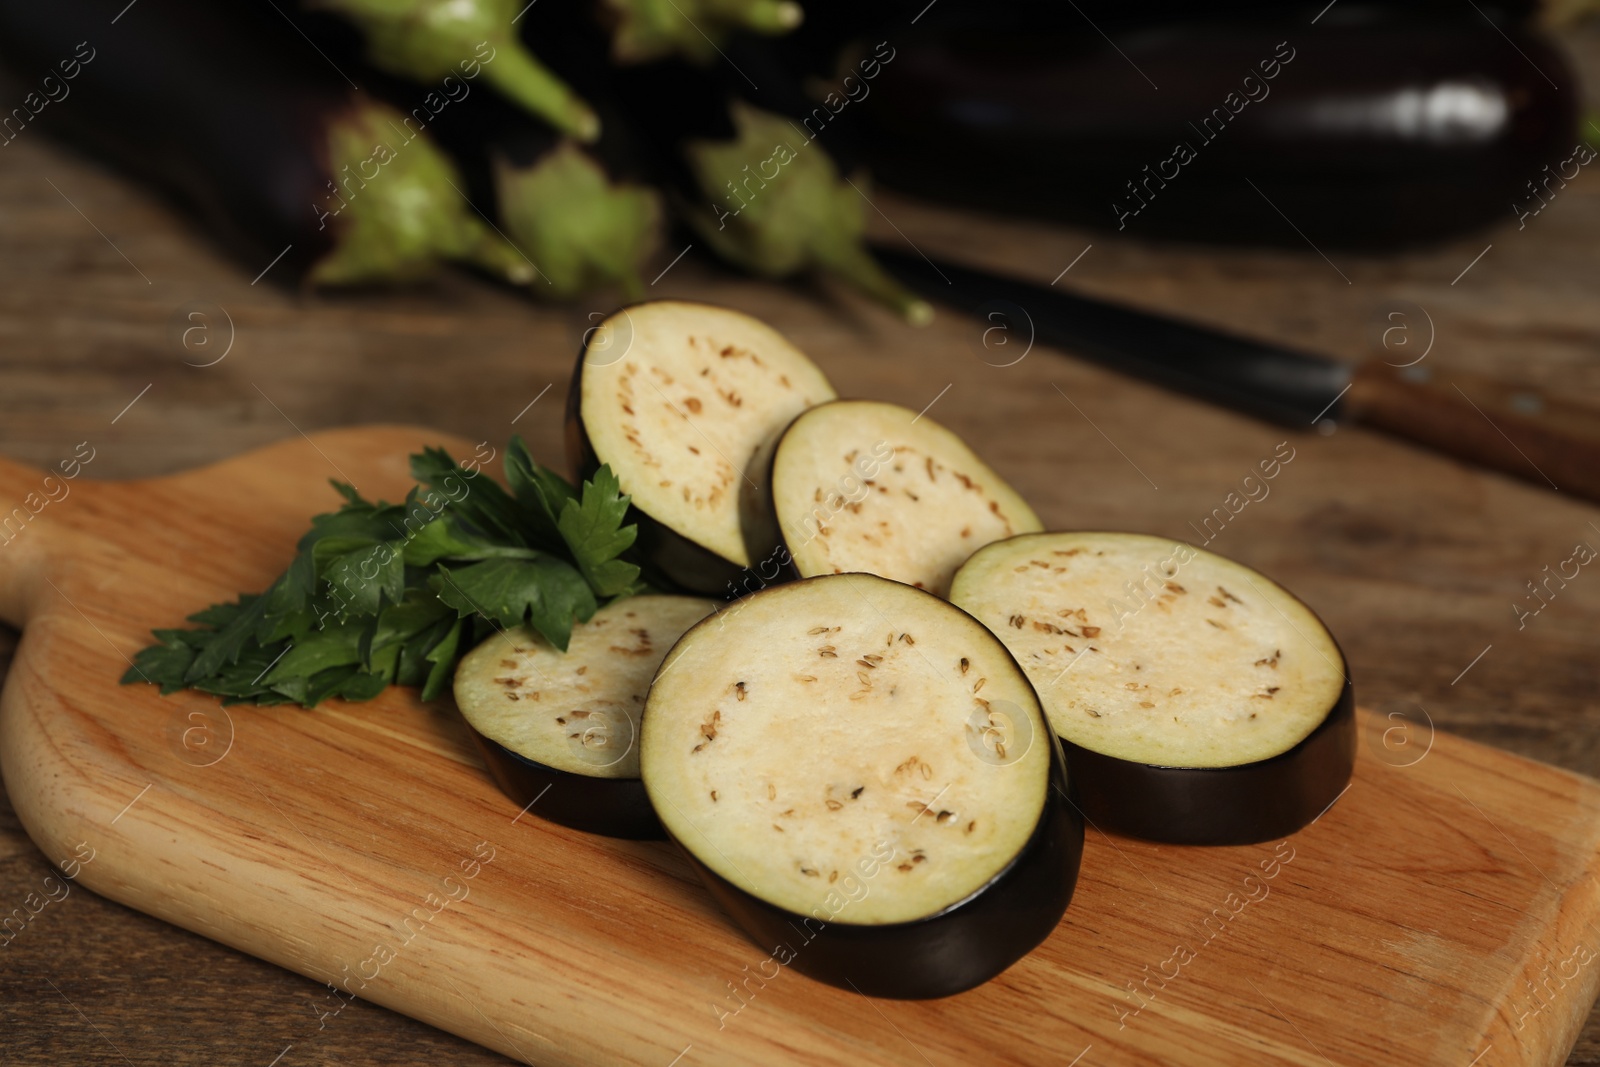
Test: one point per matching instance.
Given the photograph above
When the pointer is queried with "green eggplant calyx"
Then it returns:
(779, 206)
(583, 230)
(647, 30)
(434, 40)
(396, 207)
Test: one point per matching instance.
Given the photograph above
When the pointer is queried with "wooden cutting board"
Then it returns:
(1443, 911)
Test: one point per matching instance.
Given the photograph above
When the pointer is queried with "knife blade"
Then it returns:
(1516, 429)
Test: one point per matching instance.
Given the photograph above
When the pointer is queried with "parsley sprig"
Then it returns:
(395, 594)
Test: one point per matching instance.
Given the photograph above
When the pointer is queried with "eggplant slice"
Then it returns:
(865, 486)
(862, 774)
(1199, 702)
(559, 730)
(685, 402)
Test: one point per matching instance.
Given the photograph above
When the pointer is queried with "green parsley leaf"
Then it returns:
(333, 646)
(380, 594)
(540, 494)
(470, 497)
(166, 662)
(545, 592)
(361, 574)
(449, 539)
(230, 639)
(595, 535)
(443, 656)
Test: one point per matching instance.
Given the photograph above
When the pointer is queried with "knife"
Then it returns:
(1516, 429)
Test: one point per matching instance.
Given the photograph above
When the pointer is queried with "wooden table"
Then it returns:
(1414, 561)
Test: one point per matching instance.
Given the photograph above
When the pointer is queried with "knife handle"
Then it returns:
(1512, 428)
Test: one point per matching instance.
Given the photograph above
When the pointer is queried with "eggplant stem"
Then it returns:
(762, 16)
(855, 265)
(523, 79)
(501, 258)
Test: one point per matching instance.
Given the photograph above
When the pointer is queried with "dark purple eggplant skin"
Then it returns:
(223, 108)
(781, 558)
(671, 562)
(1243, 805)
(1057, 125)
(941, 955)
(829, 22)
(613, 807)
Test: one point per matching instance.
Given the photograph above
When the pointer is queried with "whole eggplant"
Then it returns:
(830, 24)
(238, 118)
(1358, 133)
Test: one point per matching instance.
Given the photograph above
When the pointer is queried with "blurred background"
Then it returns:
(222, 225)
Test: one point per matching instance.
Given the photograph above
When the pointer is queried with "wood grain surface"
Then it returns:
(364, 846)
(1417, 563)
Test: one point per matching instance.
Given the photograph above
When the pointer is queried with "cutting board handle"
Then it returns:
(25, 494)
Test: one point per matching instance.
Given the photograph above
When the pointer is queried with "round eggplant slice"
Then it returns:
(1198, 701)
(685, 402)
(559, 730)
(859, 485)
(864, 778)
